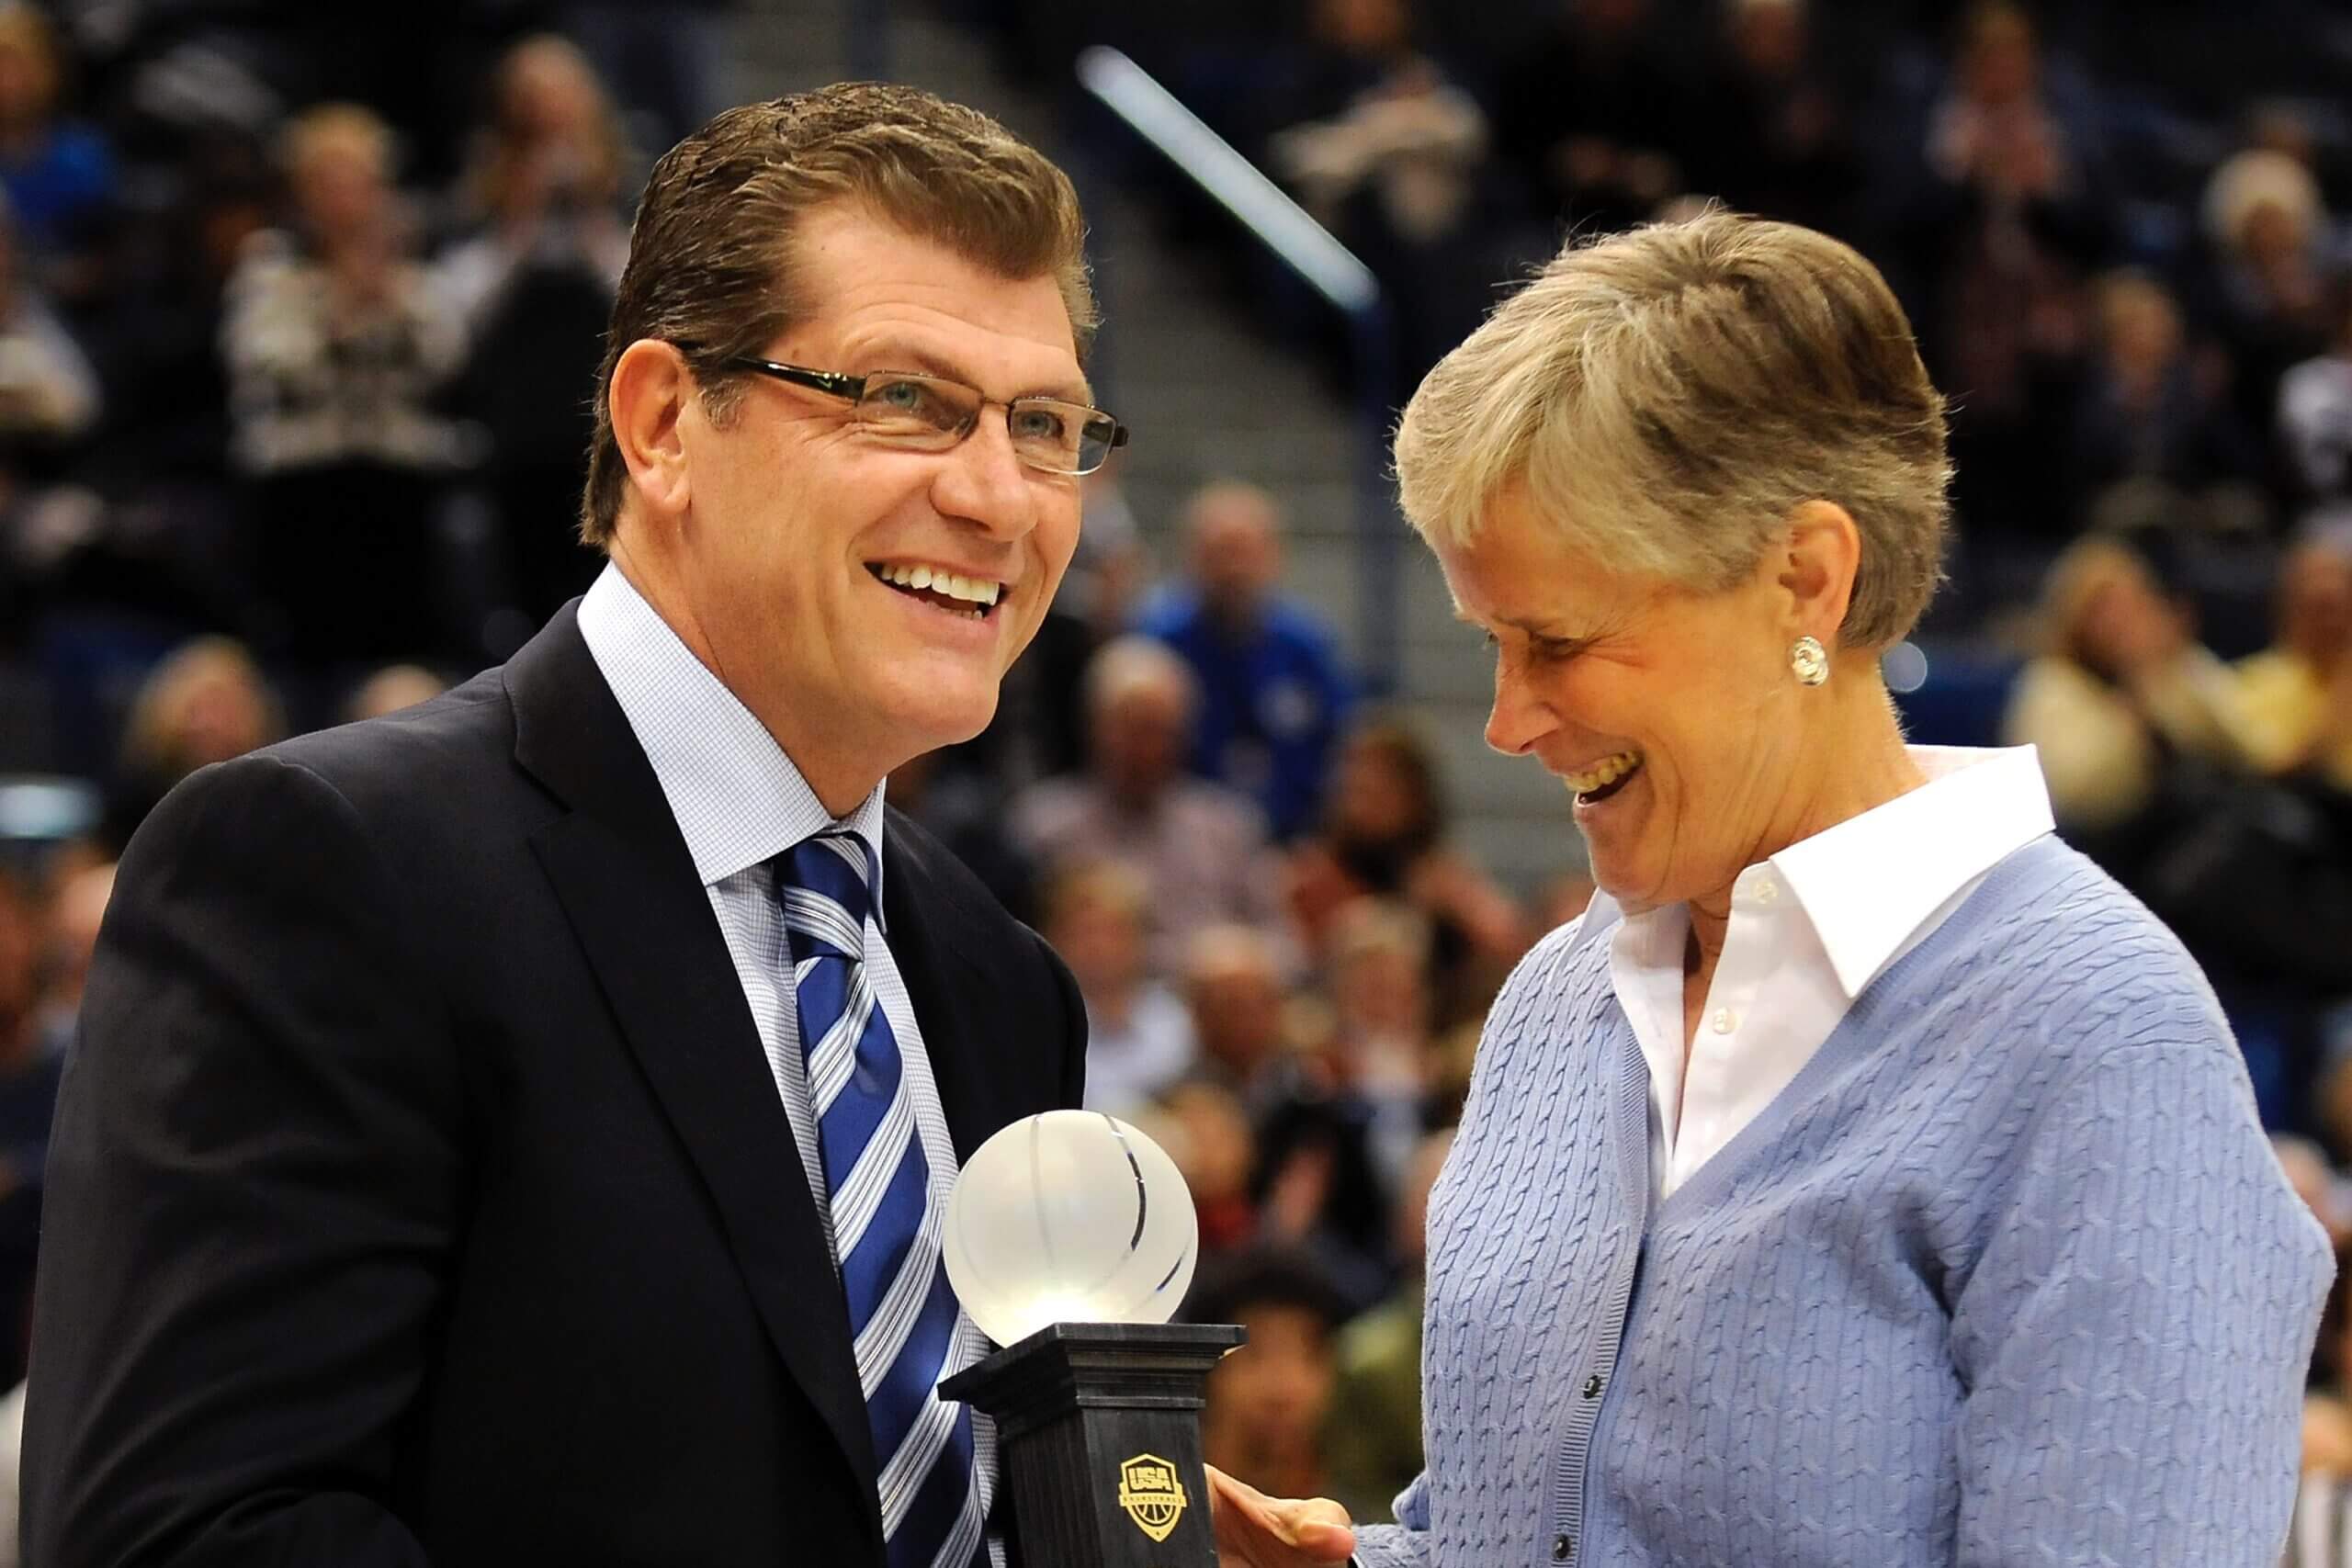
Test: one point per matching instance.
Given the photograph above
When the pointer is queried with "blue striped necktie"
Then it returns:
(902, 1315)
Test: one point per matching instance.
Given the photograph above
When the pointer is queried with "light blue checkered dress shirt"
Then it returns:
(740, 803)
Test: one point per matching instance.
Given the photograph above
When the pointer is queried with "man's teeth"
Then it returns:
(1601, 774)
(978, 591)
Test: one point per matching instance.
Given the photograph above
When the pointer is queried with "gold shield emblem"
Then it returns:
(1151, 1495)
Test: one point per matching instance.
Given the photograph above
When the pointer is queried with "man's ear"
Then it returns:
(1820, 553)
(650, 388)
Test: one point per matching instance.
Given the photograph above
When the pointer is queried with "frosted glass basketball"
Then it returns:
(1071, 1216)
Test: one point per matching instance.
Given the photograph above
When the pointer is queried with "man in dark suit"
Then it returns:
(516, 1131)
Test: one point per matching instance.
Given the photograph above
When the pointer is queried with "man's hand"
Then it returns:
(1254, 1531)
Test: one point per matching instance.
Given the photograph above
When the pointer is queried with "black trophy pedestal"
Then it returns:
(1099, 1440)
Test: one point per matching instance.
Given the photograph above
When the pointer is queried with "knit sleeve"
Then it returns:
(1406, 1543)
(2133, 1339)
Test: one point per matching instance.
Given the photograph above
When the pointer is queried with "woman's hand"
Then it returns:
(1254, 1531)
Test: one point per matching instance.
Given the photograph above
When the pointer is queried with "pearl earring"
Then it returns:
(1810, 660)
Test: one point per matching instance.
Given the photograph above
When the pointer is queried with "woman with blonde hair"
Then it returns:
(1865, 1176)
(2121, 692)
(206, 702)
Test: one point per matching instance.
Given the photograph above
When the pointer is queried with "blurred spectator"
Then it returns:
(2151, 761)
(1108, 570)
(1206, 1132)
(394, 689)
(544, 185)
(1379, 1053)
(205, 703)
(1587, 109)
(1040, 727)
(1389, 153)
(1373, 1434)
(48, 394)
(2004, 215)
(336, 348)
(533, 287)
(1268, 1400)
(2147, 411)
(1383, 832)
(1200, 848)
(2121, 695)
(49, 400)
(964, 808)
(2271, 283)
(58, 172)
(76, 908)
(28, 1078)
(1138, 1036)
(390, 689)
(2314, 414)
(1769, 131)
(1272, 694)
(2294, 693)
(1233, 986)
(1315, 1184)
(2316, 1183)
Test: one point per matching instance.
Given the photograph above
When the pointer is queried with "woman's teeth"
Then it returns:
(1604, 773)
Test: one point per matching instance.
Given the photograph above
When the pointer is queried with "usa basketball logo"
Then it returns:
(1151, 1495)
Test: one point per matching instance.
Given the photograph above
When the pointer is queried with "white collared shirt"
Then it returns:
(1810, 928)
(740, 802)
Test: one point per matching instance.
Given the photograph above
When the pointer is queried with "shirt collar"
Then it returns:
(1870, 881)
(737, 799)
(1868, 884)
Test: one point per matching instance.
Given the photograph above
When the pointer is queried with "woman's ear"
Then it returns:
(1820, 553)
(650, 388)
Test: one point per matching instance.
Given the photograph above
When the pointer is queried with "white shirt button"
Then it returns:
(1725, 1021)
(1767, 890)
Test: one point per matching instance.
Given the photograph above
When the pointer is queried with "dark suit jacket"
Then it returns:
(419, 1191)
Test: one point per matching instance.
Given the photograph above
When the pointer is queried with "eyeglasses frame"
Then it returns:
(852, 388)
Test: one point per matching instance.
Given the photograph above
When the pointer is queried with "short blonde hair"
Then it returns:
(2249, 181)
(1667, 397)
(153, 741)
(325, 129)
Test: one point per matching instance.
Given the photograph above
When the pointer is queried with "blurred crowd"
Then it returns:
(298, 306)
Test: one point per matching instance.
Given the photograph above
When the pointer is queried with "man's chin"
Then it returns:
(942, 714)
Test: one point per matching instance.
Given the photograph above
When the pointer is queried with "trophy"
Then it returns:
(1071, 1239)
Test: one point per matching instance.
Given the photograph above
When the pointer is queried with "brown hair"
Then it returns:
(710, 264)
(499, 172)
(1669, 396)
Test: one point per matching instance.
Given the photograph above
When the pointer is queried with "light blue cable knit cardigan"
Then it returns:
(2007, 1275)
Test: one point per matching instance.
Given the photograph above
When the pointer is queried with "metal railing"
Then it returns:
(1308, 250)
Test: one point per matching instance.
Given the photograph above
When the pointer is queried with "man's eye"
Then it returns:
(906, 398)
(1036, 425)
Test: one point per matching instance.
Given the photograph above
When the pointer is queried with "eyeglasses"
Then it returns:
(930, 413)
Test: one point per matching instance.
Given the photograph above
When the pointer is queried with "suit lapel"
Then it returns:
(621, 871)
